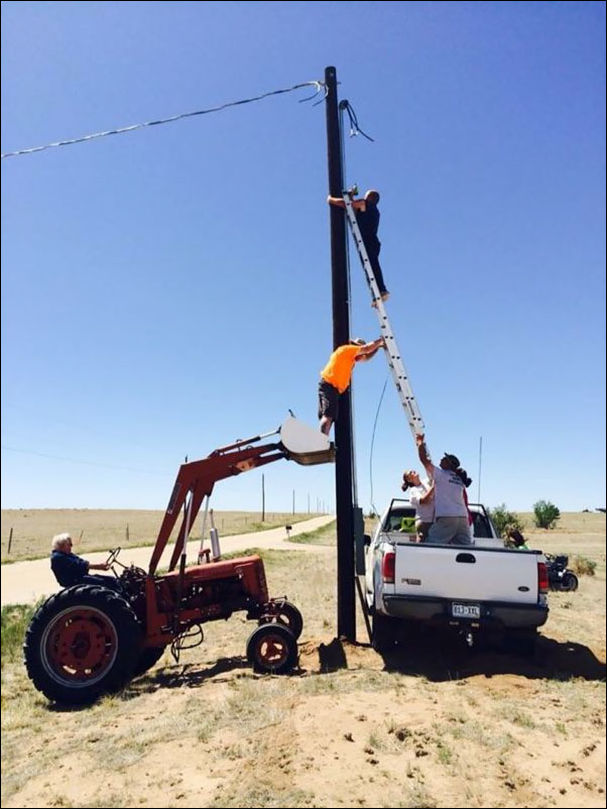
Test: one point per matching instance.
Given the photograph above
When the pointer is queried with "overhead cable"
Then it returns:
(318, 85)
(82, 461)
(381, 398)
(354, 127)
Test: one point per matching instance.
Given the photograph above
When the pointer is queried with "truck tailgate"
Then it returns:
(479, 574)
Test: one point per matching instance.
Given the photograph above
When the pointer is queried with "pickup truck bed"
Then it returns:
(473, 589)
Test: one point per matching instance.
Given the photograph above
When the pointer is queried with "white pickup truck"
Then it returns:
(479, 589)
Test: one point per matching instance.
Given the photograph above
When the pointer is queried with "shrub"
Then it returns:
(505, 521)
(15, 618)
(583, 566)
(546, 514)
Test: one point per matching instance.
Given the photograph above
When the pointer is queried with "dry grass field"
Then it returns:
(101, 529)
(432, 724)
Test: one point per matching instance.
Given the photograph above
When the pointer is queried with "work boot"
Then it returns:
(384, 296)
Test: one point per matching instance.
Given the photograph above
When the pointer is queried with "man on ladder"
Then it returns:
(336, 375)
(367, 219)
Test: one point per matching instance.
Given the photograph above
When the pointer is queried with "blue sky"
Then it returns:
(167, 291)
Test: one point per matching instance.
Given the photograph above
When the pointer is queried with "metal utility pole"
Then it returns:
(263, 499)
(346, 614)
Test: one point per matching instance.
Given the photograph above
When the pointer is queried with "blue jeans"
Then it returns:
(111, 582)
(450, 531)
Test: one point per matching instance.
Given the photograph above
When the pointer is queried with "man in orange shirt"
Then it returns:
(335, 377)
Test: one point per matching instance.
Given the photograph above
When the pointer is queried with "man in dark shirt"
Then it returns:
(367, 218)
(70, 569)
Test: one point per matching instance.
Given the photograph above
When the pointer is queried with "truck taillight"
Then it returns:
(387, 568)
(542, 577)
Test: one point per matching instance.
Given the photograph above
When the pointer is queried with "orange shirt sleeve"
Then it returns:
(338, 370)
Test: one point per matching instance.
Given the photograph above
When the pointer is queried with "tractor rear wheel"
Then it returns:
(570, 581)
(81, 643)
(272, 649)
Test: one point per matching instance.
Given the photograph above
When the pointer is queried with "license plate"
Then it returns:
(465, 610)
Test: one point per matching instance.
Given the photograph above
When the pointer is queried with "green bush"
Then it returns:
(505, 521)
(583, 566)
(546, 514)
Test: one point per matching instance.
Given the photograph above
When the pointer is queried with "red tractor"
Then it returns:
(88, 640)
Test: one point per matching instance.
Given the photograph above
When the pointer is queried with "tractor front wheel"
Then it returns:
(81, 643)
(285, 613)
(272, 649)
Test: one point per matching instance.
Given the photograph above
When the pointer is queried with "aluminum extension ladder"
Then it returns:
(395, 361)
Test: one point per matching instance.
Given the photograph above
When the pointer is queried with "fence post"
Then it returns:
(10, 541)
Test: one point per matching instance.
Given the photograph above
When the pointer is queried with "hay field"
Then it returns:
(101, 529)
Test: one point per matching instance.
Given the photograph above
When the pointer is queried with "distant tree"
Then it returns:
(546, 514)
(505, 521)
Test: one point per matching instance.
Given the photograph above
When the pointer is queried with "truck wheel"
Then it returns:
(272, 649)
(286, 614)
(382, 635)
(148, 658)
(80, 643)
(522, 642)
(570, 581)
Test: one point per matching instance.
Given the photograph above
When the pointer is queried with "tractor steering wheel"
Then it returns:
(112, 556)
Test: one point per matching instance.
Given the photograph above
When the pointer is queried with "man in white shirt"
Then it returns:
(450, 525)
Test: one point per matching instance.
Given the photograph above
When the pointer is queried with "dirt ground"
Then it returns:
(431, 724)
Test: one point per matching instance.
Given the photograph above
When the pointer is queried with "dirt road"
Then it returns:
(24, 582)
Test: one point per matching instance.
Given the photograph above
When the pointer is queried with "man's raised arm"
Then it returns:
(357, 204)
(423, 453)
(370, 349)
